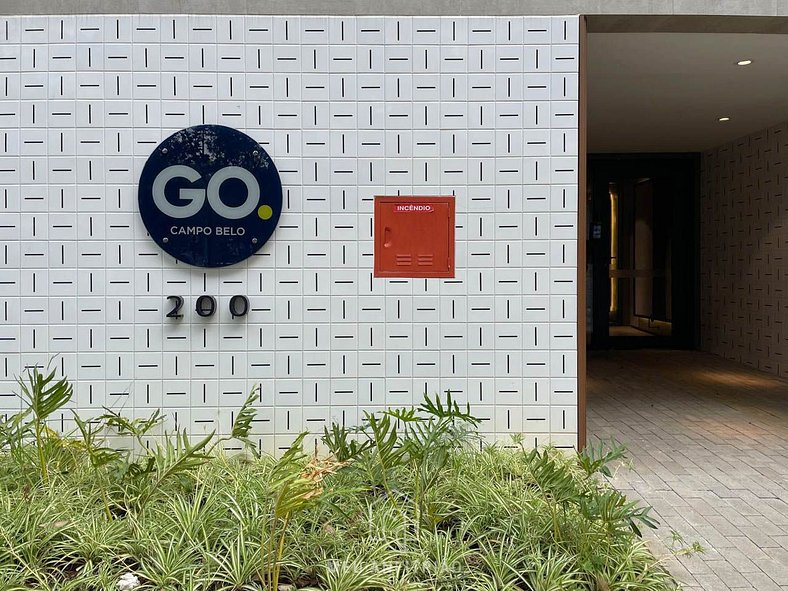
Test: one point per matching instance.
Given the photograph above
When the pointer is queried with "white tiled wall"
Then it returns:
(482, 108)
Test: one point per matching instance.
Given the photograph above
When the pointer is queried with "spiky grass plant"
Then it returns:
(408, 501)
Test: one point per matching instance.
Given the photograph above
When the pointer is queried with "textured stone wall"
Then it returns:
(744, 250)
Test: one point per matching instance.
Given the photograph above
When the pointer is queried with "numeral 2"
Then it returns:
(177, 303)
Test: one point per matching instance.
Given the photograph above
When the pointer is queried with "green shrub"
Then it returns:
(409, 500)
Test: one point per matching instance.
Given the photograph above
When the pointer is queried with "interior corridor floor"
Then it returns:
(708, 441)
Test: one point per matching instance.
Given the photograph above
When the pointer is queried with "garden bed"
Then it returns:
(411, 500)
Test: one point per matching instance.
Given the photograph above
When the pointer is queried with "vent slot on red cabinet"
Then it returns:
(414, 236)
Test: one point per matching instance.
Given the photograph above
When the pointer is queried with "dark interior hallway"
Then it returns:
(708, 439)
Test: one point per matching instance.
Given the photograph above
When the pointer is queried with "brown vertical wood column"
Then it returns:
(581, 242)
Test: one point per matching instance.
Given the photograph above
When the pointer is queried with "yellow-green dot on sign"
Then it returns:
(265, 212)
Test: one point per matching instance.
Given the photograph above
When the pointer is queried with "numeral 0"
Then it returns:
(206, 306)
(239, 306)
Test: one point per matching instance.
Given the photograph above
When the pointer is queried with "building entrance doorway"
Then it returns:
(642, 250)
(686, 225)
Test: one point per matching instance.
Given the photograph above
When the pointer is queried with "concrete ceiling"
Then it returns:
(665, 92)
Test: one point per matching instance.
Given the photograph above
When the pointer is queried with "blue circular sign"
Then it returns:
(210, 196)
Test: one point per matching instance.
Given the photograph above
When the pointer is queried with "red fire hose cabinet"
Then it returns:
(414, 236)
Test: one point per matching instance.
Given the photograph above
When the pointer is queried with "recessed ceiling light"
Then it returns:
(725, 118)
(744, 62)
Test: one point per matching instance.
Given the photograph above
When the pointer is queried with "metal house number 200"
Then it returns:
(205, 306)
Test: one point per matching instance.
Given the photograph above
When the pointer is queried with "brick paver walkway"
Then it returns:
(709, 443)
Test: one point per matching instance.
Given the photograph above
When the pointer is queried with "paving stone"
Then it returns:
(749, 549)
(711, 455)
(762, 539)
(728, 573)
(775, 571)
(779, 555)
(763, 582)
(711, 582)
(782, 541)
(739, 560)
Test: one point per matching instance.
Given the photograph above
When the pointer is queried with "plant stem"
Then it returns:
(105, 498)
(280, 550)
(41, 458)
(268, 553)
